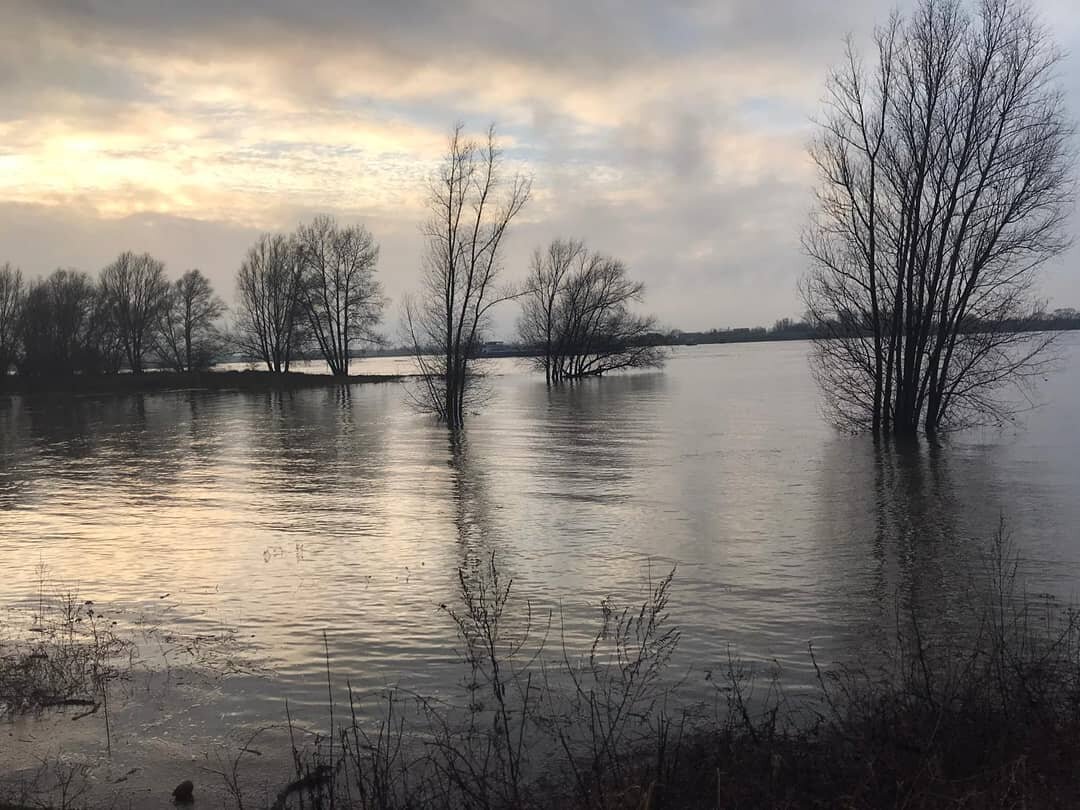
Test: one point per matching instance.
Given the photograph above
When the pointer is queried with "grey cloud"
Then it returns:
(713, 252)
(588, 40)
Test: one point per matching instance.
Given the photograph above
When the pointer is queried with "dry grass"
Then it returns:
(988, 717)
(983, 714)
(65, 657)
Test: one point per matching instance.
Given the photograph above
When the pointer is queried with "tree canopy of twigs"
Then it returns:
(135, 293)
(188, 339)
(12, 296)
(576, 315)
(64, 328)
(472, 204)
(945, 178)
(341, 297)
(270, 312)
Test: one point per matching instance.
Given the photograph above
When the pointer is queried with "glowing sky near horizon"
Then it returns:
(671, 135)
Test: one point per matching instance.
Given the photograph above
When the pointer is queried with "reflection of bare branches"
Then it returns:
(313, 440)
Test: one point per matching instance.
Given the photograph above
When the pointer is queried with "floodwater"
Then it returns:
(269, 519)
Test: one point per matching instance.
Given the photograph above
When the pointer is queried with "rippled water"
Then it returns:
(282, 515)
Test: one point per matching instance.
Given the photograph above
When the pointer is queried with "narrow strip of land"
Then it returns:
(196, 380)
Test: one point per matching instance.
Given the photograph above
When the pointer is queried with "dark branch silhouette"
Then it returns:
(270, 312)
(188, 338)
(471, 206)
(342, 299)
(64, 328)
(944, 184)
(135, 293)
(12, 298)
(576, 315)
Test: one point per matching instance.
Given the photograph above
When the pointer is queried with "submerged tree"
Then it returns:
(576, 315)
(944, 184)
(270, 311)
(341, 297)
(188, 337)
(12, 297)
(135, 293)
(471, 205)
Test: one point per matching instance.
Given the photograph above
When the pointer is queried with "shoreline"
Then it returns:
(155, 381)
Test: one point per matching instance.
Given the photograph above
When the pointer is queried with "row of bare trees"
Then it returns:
(68, 322)
(945, 181)
(315, 287)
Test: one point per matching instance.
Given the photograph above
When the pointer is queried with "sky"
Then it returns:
(669, 134)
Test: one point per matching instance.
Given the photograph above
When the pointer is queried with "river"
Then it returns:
(267, 519)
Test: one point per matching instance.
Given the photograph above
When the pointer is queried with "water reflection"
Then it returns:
(472, 511)
(318, 442)
(287, 514)
(591, 430)
(905, 528)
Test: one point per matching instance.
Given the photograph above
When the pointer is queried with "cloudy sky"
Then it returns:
(671, 134)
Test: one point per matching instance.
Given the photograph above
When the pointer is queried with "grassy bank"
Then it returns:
(170, 381)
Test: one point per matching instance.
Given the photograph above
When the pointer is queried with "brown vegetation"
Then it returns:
(983, 714)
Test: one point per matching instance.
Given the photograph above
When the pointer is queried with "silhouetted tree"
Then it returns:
(539, 327)
(12, 296)
(944, 183)
(61, 325)
(342, 299)
(135, 293)
(188, 337)
(270, 311)
(471, 207)
(576, 315)
(105, 342)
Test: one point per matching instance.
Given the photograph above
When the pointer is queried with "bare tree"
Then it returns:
(576, 315)
(135, 293)
(270, 312)
(342, 298)
(12, 297)
(188, 338)
(104, 344)
(62, 320)
(944, 184)
(471, 207)
(539, 326)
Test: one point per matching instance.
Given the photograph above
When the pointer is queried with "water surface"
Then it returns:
(279, 516)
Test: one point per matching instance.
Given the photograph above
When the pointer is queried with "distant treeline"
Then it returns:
(315, 295)
(788, 329)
